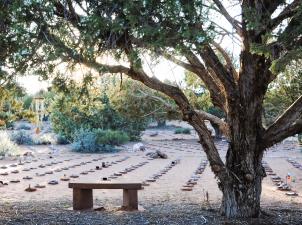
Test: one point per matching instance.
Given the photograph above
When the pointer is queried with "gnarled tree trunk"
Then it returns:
(242, 189)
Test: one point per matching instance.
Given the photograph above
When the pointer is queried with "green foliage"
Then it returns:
(283, 92)
(7, 119)
(137, 102)
(62, 140)
(27, 101)
(93, 141)
(21, 137)
(110, 137)
(85, 141)
(216, 112)
(90, 108)
(182, 130)
(199, 96)
(23, 126)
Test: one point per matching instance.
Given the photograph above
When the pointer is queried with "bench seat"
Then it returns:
(83, 195)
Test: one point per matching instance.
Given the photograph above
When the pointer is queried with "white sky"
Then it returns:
(164, 70)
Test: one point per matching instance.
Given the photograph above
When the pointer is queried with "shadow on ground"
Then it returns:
(59, 213)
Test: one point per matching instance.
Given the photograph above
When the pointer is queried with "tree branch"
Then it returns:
(223, 126)
(195, 66)
(212, 62)
(295, 128)
(228, 60)
(287, 12)
(179, 62)
(285, 125)
(232, 21)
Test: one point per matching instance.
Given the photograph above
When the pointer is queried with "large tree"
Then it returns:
(268, 36)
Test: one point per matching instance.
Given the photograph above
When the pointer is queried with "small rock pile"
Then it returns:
(157, 155)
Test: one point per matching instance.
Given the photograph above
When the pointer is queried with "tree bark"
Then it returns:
(242, 190)
(241, 200)
(217, 130)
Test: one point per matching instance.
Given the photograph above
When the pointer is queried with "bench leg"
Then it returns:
(82, 199)
(130, 199)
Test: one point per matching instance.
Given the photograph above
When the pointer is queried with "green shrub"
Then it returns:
(61, 140)
(97, 140)
(7, 146)
(85, 141)
(23, 126)
(182, 130)
(22, 137)
(7, 119)
(110, 137)
(70, 114)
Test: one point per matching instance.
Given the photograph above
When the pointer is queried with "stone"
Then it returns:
(65, 178)
(30, 189)
(186, 189)
(53, 182)
(15, 181)
(161, 154)
(153, 134)
(40, 186)
(138, 147)
(84, 173)
(49, 172)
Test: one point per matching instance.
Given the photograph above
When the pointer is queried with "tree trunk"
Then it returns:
(217, 130)
(242, 190)
(241, 199)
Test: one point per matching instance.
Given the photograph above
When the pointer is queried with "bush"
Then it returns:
(7, 119)
(97, 140)
(7, 146)
(85, 141)
(23, 126)
(70, 114)
(44, 139)
(110, 137)
(21, 137)
(61, 140)
(182, 130)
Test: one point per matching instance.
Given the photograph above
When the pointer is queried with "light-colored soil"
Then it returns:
(166, 189)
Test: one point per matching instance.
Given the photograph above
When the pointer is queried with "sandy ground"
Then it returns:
(166, 189)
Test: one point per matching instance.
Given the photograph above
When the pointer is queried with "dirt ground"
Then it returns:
(167, 189)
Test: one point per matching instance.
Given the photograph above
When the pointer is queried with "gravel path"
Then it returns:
(168, 213)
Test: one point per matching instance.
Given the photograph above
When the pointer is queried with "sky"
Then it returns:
(164, 70)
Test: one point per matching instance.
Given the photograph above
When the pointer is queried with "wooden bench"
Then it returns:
(83, 198)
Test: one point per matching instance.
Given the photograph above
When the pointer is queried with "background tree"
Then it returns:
(76, 106)
(188, 34)
(283, 92)
(200, 99)
(134, 100)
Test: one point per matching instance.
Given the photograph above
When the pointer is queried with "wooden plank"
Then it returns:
(130, 200)
(82, 199)
(128, 186)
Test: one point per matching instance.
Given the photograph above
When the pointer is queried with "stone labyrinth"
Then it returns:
(184, 176)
